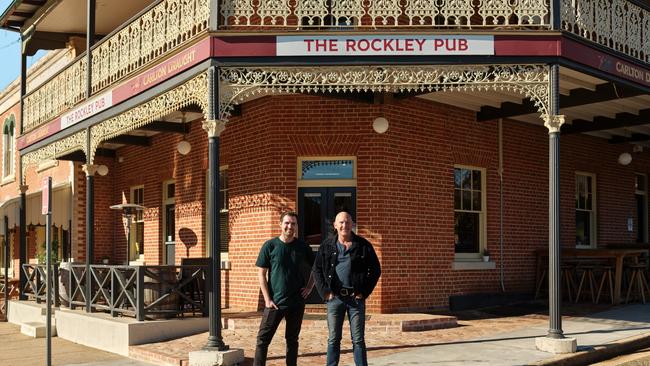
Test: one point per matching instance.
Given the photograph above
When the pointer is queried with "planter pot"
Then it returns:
(486, 258)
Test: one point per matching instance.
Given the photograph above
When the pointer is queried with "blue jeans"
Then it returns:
(356, 310)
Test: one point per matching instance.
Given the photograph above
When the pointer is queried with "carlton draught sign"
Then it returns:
(384, 45)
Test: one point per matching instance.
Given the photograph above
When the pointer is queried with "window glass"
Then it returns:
(223, 213)
(468, 210)
(585, 215)
(327, 169)
(8, 147)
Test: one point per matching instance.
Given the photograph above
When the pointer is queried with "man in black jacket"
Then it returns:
(346, 270)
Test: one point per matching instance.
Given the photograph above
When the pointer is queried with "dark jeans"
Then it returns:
(356, 310)
(270, 321)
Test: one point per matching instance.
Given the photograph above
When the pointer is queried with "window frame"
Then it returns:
(477, 256)
(326, 182)
(594, 208)
(136, 221)
(223, 210)
(8, 147)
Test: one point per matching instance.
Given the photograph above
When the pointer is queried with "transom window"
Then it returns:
(585, 210)
(327, 169)
(469, 210)
(8, 147)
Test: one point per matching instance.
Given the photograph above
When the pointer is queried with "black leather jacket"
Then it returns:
(365, 269)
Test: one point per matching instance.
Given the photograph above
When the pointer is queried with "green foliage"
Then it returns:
(41, 253)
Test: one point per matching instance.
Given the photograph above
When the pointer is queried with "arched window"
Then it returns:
(8, 146)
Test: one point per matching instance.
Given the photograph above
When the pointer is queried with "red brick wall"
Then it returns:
(404, 191)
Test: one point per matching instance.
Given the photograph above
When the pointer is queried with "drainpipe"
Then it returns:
(500, 171)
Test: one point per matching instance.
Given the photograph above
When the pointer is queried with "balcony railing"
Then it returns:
(617, 24)
(384, 13)
(156, 32)
(621, 25)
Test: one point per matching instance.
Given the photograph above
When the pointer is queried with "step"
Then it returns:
(36, 329)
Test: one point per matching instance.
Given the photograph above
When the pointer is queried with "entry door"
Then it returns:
(317, 208)
(170, 235)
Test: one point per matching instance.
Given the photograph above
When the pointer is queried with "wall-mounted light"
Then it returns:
(625, 158)
(102, 170)
(380, 125)
(184, 146)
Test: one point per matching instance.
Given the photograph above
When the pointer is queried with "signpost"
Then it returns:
(46, 190)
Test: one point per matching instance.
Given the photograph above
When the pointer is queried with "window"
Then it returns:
(137, 226)
(223, 209)
(223, 212)
(469, 211)
(585, 210)
(640, 188)
(8, 147)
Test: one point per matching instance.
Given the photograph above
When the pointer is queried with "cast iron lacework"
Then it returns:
(74, 142)
(618, 24)
(238, 85)
(194, 91)
(384, 13)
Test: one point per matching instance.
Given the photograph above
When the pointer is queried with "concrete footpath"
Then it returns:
(501, 336)
(603, 334)
(17, 349)
(497, 336)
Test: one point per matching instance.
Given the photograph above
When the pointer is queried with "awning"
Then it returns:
(61, 207)
(10, 209)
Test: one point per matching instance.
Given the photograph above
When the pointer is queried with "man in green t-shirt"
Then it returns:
(281, 263)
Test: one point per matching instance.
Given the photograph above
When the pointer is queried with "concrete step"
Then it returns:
(36, 329)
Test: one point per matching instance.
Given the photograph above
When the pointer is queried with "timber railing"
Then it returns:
(143, 292)
(36, 285)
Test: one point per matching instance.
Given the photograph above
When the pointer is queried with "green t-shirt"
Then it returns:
(289, 266)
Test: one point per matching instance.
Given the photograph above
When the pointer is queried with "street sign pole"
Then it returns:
(46, 210)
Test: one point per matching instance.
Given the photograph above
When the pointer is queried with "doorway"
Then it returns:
(317, 208)
(169, 223)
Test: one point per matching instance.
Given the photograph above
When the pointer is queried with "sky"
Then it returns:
(10, 53)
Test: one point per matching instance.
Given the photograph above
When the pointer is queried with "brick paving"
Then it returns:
(383, 335)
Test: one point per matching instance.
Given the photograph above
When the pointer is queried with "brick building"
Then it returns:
(430, 123)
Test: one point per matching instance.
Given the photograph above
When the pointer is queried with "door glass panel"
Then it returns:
(343, 202)
(312, 216)
(170, 234)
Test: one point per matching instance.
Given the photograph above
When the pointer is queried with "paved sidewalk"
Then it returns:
(17, 349)
(486, 337)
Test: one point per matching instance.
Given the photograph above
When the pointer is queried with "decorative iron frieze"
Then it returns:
(384, 13)
(69, 144)
(194, 91)
(618, 24)
(158, 32)
(238, 85)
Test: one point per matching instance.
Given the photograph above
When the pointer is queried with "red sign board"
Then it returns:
(45, 194)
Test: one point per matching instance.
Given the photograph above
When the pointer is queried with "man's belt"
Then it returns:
(346, 292)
